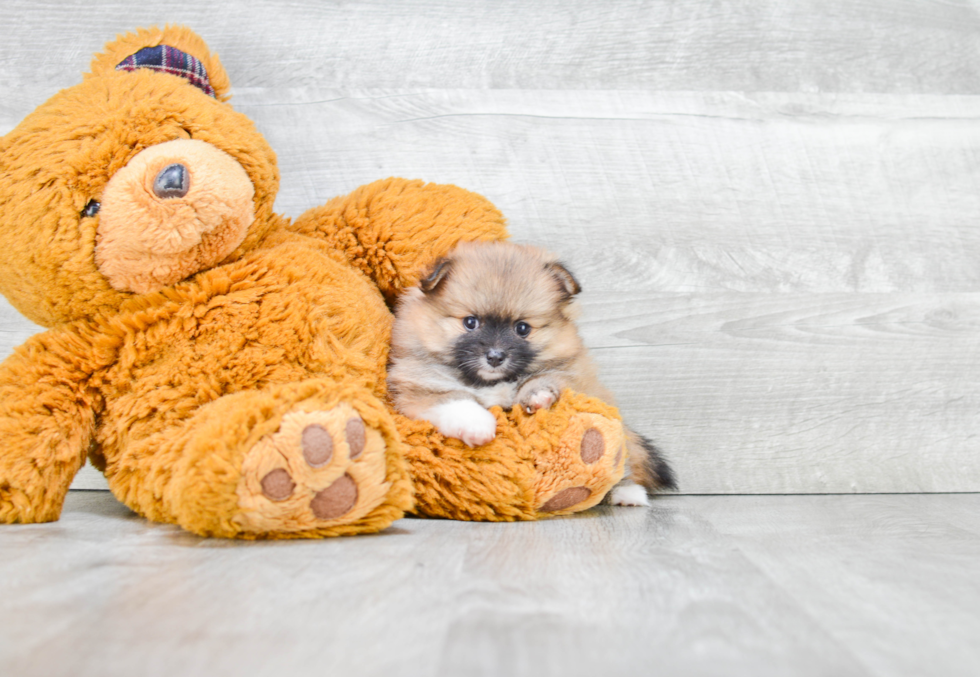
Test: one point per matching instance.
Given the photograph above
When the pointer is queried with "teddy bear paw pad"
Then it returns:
(587, 462)
(319, 469)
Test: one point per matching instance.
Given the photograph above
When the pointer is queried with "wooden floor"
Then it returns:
(695, 585)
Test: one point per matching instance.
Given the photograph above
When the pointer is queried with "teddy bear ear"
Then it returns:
(176, 50)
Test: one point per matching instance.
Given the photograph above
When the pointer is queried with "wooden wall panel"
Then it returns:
(799, 392)
(771, 206)
(876, 46)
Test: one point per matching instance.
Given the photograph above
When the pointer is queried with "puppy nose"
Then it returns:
(496, 357)
(172, 181)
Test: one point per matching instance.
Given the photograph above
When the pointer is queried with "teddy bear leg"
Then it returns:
(554, 462)
(311, 459)
(320, 469)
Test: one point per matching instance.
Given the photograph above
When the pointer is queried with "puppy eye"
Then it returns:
(522, 329)
(471, 322)
(91, 209)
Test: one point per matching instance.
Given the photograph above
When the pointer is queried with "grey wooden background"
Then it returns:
(771, 204)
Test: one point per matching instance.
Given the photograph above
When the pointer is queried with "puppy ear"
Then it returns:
(440, 269)
(567, 283)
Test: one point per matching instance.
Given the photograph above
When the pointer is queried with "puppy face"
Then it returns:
(496, 312)
(494, 348)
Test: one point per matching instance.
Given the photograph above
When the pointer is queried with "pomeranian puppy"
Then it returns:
(493, 324)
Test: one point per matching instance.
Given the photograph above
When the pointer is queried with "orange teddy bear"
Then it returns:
(222, 365)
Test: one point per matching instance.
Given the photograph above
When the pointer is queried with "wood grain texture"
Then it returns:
(771, 206)
(890, 46)
(865, 570)
(817, 585)
(672, 192)
(799, 392)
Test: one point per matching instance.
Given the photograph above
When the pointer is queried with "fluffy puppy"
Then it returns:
(493, 324)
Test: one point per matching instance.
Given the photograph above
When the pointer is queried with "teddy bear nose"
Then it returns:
(496, 357)
(172, 181)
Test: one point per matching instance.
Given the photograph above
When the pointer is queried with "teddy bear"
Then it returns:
(223, 365)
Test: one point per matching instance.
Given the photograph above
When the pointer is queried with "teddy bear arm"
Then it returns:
(47, 424)
(392, 230)
(557, 461)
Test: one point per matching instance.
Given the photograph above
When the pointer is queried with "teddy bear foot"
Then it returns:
(319, 469)
(587, 461)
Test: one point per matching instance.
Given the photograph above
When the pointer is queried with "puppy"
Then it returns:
(493, 324)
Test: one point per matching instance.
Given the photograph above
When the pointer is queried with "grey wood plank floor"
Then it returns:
(694, 585)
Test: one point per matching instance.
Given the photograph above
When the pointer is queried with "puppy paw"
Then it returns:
(628, 494)
(465, 420)
(538, 393)
(538, 399)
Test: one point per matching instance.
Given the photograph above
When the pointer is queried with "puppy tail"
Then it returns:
(647, 464)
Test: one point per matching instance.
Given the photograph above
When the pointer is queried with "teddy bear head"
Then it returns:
(134, 179)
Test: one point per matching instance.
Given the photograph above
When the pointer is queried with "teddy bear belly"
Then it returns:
(277, 316)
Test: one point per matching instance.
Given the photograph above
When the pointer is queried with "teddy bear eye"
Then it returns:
(471, 322)
(523, 329)
(91, 209)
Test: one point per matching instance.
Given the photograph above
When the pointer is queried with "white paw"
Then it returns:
(541, 399)
(465, 420)
(629, 494)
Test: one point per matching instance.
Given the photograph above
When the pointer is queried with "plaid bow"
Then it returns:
(172, 61)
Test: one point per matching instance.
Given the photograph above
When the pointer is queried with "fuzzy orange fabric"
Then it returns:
(223, 366)
(525, 472)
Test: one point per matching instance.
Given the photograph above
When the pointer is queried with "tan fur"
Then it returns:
(189, 370)
(504, 279)
(497, 278)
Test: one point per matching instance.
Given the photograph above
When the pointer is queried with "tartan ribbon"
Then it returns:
(172, 61)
